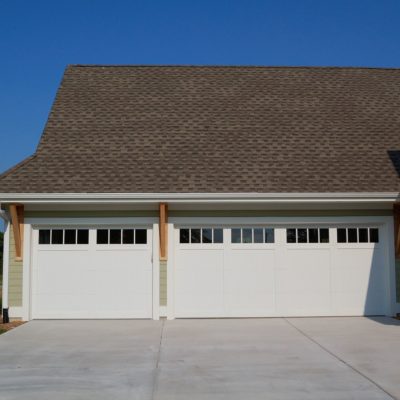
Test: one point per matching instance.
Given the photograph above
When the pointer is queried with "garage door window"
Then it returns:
(70, 236)
(63, 236)
(358, 235)
(252, 235)
(121, 236)
(201, 235)
(307, 235)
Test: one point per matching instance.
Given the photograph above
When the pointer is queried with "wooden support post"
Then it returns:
(396, 214)
(163, 231)
(17, 221)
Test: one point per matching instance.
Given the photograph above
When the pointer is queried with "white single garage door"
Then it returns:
(101, 272)
(259, 271)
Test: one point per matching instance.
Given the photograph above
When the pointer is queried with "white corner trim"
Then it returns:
(79, 198)
(16, 312)
(6, 257)
(171, 271)
(391, 307)
(26, 273)
(156, 273)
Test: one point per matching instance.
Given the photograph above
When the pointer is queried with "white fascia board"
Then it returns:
(80, 198)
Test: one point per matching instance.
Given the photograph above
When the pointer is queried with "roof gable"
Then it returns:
(141, 129)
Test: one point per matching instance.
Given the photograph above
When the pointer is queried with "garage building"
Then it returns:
(208, 192)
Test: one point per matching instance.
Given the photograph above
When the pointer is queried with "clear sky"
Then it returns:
(39, 38)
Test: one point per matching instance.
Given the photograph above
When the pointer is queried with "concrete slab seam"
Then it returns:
(156, 371)
(340, 359)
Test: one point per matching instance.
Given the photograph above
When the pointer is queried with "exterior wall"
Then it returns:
(15, 267)
(15, 276)
(163, 283)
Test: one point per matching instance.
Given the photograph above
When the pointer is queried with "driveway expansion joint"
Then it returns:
(339, 359)
(156, 370)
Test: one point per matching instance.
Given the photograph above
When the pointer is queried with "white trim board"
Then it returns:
(27, 198)
(6, 263)
(91, 221)
(16, 312)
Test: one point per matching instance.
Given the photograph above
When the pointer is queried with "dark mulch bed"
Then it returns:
(11, 325)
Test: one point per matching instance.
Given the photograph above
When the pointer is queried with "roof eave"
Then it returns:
(85, 198)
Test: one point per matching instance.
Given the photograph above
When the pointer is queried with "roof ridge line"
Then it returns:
(228, 66)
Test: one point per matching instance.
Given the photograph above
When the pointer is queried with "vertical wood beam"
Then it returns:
(17, 221)
(163, 231)
(396, 214)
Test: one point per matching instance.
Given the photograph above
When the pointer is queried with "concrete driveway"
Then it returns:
(295, 358)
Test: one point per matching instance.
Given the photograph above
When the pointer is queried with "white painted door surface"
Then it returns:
(92, 280)
(279, 278)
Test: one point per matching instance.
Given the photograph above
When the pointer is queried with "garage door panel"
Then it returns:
(124, 272)
(63, 305)
(303, 282)
(249, 282)
(352, 304)
(122, 257)
(357, 281)
(350, 256)
(302, 304)
(62, 272)
(199, 283)
(302, 268)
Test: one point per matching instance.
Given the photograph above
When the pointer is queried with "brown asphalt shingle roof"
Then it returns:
(154, 129)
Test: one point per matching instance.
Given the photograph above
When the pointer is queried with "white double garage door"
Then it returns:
(247, 270)
(261, 271)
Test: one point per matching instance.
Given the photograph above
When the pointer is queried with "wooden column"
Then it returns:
(163, 231)
(17, 221)
(396, 213)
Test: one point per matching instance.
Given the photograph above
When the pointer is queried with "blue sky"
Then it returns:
(39, 38)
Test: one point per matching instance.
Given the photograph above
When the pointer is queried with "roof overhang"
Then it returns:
(151, 198)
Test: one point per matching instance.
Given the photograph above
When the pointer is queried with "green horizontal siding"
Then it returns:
(14, 276)
(163, 283)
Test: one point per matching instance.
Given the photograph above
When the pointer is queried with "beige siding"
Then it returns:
(15, 276)
(163, 283)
